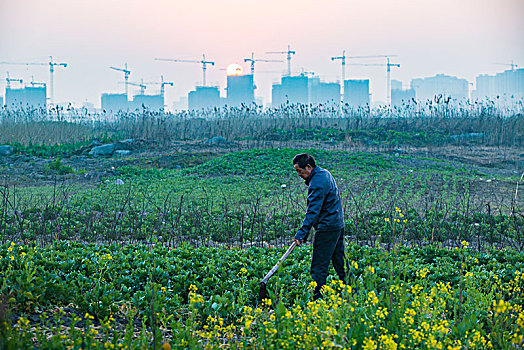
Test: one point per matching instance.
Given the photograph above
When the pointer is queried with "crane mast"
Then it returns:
(343, 61)
(289, 52)
(52, 66)
(126, 77)
(389, 65)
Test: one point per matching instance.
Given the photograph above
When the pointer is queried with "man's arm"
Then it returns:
(315, 200)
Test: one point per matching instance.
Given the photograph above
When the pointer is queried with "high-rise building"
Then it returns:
(396, 84)
(203, 97)
(293, 89)
(240, 89)
(153, 103)
(324, 93)
(507, 84)
(113, 103)
(440, 85)
(400, 96)
(356, 92)
(277, 97)
(26, 97)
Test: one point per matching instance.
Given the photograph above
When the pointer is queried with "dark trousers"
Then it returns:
(327, 246)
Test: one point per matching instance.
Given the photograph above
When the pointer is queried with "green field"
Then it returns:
(161, 256)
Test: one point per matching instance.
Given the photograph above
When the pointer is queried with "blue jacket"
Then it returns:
(324, 206)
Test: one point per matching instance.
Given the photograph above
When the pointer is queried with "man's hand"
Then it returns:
(298, 242)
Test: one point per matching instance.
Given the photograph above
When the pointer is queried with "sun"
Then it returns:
(234, 69)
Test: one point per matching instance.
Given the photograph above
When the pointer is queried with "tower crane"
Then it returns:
(9, 80)
(203, 61)
(253, 60)
(512, 65)
(288, 53)
(141, 85)
(388, 66)
(126, 76)
(34, 83)
(51, 76)
(52, 66)
(162, 84)
(343, 63)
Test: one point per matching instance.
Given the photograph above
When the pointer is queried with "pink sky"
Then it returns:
(455, 37)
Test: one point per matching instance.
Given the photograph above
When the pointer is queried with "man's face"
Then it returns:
(303, 172)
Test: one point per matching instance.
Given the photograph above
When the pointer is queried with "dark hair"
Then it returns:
(304, 159)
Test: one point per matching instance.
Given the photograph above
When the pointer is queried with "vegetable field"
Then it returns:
(135, 296)
(164, 248)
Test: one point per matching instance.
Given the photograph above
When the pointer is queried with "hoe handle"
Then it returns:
(277, 265)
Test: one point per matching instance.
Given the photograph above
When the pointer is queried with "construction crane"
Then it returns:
(512, 65)
(203, 61)
(343, 63)
(253, 60)
(9, 80)
(34, 83)
(388, 66)
(141, 85)
(52, 66)
(126, 76)
(288, 53)
(304, 73)
(162, 84)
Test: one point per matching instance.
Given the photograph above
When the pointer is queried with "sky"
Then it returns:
(463, 38)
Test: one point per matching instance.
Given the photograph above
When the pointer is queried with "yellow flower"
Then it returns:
(355, 265)
(369, 344)
(386, 219)
(372, 298)
(464, 243)
(422, 273)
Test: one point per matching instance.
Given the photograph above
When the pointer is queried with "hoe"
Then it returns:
(263, 294)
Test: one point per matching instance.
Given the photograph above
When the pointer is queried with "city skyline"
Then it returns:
(461, 39)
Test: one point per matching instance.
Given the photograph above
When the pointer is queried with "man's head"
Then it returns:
(304, 165)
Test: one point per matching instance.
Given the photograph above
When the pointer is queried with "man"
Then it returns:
(324, 213)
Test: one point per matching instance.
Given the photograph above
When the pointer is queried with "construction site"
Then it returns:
(305, 87)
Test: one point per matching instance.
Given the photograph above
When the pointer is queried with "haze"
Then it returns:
(455, 37)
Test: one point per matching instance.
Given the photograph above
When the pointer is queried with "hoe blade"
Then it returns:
(262, 293)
